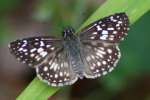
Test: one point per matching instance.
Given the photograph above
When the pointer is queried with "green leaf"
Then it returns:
(38, 90)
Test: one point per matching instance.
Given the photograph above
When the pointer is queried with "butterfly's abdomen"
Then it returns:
(73, 50)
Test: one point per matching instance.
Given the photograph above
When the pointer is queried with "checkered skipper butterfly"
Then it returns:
(94, 52)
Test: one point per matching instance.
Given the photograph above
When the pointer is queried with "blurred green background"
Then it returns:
(24, 18)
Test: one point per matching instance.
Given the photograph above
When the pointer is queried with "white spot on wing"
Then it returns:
(98, 28)
(48, 46)
(98, 63)
(37, 58)
(45, 68)
(120, 22)
(92, 37)
(109, 51)
(104, 32)
(52, 48)
(61, 74)
(88, 58)
(32, 50)
(20, 49)
(114, 32)
(94, 33)
(24, 50)
(110, 28)
(99, 54)
(32, 55)
(43, 54)
(105, 72)
(41, 43)
(103, 37)
(104, 62)
(40, 50)
(55, 67)
(111, 69)
(56, 75)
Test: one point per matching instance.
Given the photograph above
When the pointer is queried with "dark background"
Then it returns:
(24, 18)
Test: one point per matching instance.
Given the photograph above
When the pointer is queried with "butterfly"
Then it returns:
(91, 53)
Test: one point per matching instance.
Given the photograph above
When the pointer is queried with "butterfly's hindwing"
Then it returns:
(56, 70)
(33, 51)
(109, 29)
(99, 59)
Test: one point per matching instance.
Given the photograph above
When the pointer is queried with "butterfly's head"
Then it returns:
(68, 33)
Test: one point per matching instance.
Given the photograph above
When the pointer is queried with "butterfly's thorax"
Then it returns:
(73, 50)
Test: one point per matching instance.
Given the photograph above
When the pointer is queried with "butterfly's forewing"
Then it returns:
(56, 70)
(109, 29)
(34, 50)
(99, 58)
